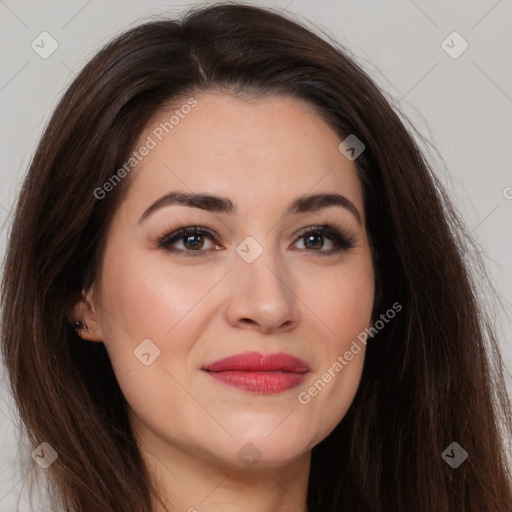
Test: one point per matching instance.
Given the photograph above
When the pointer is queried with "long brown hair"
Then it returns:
(433, 378)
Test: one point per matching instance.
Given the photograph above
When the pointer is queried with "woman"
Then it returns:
(233, 283)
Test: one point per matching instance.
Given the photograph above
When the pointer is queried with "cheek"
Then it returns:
(344, 304)
(150, 299)
(328, 398)
(343, 300)
(147, 297)
(149, 302)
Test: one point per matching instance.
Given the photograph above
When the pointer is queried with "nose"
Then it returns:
(261, 295)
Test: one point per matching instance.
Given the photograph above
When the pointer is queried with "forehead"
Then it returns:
(273, 148)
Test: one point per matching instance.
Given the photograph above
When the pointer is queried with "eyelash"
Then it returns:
(341, 240)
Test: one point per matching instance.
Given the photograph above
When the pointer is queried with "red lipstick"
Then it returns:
(259, 373)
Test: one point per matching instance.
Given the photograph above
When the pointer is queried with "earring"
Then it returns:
(80, 325)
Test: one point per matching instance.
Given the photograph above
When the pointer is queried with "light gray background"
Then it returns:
(463, 106)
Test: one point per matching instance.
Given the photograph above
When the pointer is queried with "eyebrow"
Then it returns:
(211, 203)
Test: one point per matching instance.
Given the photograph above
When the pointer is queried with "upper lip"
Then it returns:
(256, 361)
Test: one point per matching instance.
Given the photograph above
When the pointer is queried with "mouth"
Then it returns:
(259, 373)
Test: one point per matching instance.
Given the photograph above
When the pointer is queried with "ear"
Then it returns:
(85, 310)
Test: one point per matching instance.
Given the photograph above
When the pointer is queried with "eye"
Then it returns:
(314, 238)
(193, 240)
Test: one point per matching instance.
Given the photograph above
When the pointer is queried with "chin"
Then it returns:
(261, 450)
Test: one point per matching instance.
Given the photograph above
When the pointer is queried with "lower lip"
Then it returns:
(260, 382)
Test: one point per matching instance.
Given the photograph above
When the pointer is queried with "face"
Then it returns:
(255, 276)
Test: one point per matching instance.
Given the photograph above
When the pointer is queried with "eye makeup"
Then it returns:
(194, 237)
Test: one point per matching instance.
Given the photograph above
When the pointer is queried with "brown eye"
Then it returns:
(314, 239)
(192, 238)
(195, 241)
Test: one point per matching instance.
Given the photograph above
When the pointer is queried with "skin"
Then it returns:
(196, 310)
